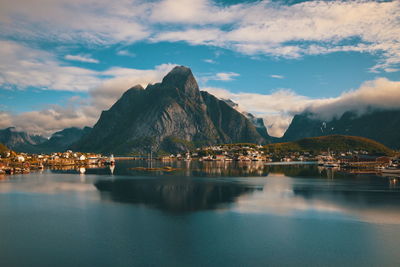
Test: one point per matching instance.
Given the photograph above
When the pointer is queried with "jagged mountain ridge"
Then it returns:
(170, 116)
(24, 142)
(19, 141)
(62, 140)
(379, 125)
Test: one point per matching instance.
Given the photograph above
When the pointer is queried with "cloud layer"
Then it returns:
(23, 67)
(278, 108)
(81, 58)
(255, 28)
(292, 31)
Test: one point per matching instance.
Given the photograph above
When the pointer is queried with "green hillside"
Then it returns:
(3, 150)
(336, 143)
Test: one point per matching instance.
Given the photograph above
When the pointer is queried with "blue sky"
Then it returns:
(65, 61)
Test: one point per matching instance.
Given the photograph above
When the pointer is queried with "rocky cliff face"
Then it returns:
(171, 116)
(380, 125)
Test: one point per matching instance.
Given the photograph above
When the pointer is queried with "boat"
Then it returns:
(188, 158)
(110, 160)
(391, 169)
(112, 167)
(331, 165)
(256, 159)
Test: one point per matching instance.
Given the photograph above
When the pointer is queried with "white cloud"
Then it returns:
(379, 93)
(391, 70)
(226, 76)
(278, 108)
(126, 53)
(192, 12)
(203, 36)
(50, 120)
(211, 61)
(220, 76)
(306, 28)
(5, 120)
(74, 21)
(254, 28)
(276, 76)
(81, 58)
(23, 67)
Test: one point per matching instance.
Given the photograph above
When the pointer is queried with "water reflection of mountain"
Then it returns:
(173, 195)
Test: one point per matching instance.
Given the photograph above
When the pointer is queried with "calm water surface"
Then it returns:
(202, 214)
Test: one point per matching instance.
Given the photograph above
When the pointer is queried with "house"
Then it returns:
(166, 158)
(219, 157)
(93, 160)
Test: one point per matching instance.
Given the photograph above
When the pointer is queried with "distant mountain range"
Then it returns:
(175, 116)
(62, 140)
(380, 125)
(24, 142)
(171, 116)
(20, 141)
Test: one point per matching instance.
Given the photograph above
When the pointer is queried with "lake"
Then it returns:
(202, 214)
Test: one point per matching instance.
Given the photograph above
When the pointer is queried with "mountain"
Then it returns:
(20, 141)
(336, 143)
(171, 116)
(58, 142)
(257, 122)
(380, 125)
(62, 140)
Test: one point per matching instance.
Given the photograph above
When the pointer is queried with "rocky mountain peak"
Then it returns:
(137, 87)
(181, 78)
(171, 116)
(11, 129)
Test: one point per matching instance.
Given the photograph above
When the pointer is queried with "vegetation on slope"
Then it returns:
(3, 150)
(335, 143)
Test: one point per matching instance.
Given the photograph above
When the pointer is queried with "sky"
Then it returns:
(64, 61)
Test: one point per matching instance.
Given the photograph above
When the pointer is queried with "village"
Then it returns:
(354, 159)
(13, 163)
